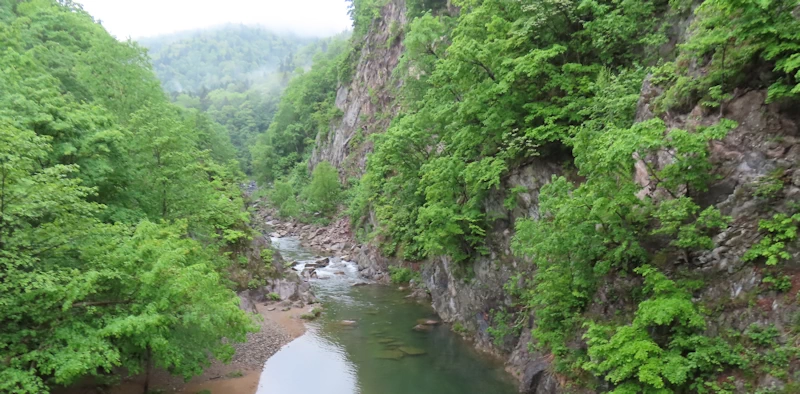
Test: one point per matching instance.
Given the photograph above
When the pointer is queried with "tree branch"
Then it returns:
(99, 303)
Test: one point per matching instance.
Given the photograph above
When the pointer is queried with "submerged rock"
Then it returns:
(348, 322)
(390, 355)
(411, 351)
(429, 322)
(422, 328)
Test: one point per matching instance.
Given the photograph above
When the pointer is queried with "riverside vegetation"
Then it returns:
(120, 213)
(483, 87)
(488, 86)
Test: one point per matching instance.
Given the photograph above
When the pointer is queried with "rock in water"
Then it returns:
(390, 355)
(429, 322)
(348, 322)
(411, 351)
(421, 328)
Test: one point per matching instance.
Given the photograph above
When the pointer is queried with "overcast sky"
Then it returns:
(146, 18)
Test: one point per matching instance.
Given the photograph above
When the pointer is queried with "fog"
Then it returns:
(147, 18)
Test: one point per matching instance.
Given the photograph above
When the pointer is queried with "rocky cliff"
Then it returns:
(367, 101)
(763, 149)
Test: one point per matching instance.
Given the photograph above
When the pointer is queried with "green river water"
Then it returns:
(380, 353)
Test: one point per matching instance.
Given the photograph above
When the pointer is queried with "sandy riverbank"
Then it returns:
(241, 376)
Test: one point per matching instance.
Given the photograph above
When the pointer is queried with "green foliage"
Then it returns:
(87, 139)
(358, 196)
(504, 324)
(492, 86)
(274, 297)
(324, 191)
(770, 185)
(780, 284)
(234, 74)
(511, 201)
(729, 39)
(289, 208)
(280, 192)
(266, 256)
(663, 350)
(312, 314)
(210, 59)
(470, 115)
(778, 233)
(363, 12)
(597, 227)
(761, 335)
(459, 328)
(403, 274)
(305, 110)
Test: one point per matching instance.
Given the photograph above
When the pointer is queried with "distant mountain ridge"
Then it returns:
(188, 62)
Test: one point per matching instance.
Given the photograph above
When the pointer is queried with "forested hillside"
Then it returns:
(119, 212)
(191, 61)
(236, 74)
(620, 165)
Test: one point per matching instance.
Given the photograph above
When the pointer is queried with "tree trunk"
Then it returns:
(148, 366)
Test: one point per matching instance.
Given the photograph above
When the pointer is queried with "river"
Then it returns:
(376, 351)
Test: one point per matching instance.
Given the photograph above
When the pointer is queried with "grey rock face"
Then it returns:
(368, 94)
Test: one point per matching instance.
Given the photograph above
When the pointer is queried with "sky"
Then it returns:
(147, 18)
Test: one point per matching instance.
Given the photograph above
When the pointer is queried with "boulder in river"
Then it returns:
(421, 328)
(429, 322)
(290, 288)
(348, 322)
(322, 262)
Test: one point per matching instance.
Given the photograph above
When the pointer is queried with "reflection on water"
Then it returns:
(379, 353)
(310, 364)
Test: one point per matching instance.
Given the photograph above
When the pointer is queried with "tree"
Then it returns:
(89, 150)
(324, 191)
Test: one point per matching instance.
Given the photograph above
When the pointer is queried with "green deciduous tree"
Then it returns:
(324, 190)
(115, 207)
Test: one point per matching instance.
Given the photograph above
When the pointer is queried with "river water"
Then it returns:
(377, 352)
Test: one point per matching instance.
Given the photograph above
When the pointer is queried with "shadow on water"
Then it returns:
(364, 343)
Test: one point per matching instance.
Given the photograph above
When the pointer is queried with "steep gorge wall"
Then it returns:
(367, 101)
(766, 142)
